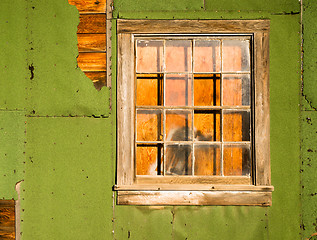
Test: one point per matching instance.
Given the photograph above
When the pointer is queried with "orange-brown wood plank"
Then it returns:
(91, 42)
(99, 78)
(7, 219)
(89, 6)
(92, 61)
(6, 234)
(92, 23)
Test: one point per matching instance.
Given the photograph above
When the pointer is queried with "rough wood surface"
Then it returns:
(98, 78)
(125, 172)
(89, 6)
(262, 109)
(191, 26)
(92, 61)
(6, 234)
(91, 42)
(193, 180)
(193, 187)
(125, 113)
(92, 23)
(92, 37)
(7, 219)
(195, 198)
(109, 49)
(6, 203)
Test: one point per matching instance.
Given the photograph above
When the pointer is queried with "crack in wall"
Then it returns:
(173, 220)
(31, 68)
(287, 13)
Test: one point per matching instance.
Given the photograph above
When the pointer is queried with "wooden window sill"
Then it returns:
(198, 194)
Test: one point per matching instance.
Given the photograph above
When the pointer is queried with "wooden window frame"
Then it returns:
(171, 190)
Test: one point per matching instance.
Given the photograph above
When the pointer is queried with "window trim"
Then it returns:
(130, 192)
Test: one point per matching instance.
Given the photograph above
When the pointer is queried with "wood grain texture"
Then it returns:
(191, 26)
(125, 110)
(262, 109)
(193, 180)
(108, 44)
(98, 78)
(6, 234)
(125, 173)
(91, 42)
(191, 187)
(89, 6)
(6, 203)
(92, 23)
(92, 61)
(7, 219)
(195, 198)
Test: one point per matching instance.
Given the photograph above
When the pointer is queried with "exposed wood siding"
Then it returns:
(92, 61)
(7, 219)
(92, 23)
(85, 6)
(195, 198)
(92, 40)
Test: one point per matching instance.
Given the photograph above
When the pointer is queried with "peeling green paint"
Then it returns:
(275, 6)
(66, 193)
(58, 87)
(160, 6)
(13, 55)
(309, 49)
(12, 151)
(309, 168)
(47, 109)
(282, 220)
(308, 120)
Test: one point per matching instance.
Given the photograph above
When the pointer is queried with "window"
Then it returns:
(193, 112)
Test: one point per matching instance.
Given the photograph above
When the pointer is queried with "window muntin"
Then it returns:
(147, 189)
(193, 106)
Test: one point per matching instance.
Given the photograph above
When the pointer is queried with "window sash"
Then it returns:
(125, 99)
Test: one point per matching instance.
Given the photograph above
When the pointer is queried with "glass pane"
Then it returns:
(149, 56)
(207, 89)
(236, 90)
(236, 126)
(207, 125)
(178, 126)
(148, 160)
(236, 160)
(207, 160)
(207, 56)
(178, 56)
(149, 125)
(236, 55)
(149, 89)
(178, 160)
(178, 90)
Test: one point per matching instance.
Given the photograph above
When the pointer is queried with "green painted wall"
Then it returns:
(57, 133)
(309, 120)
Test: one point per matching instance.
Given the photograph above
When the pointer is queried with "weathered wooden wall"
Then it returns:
(7, 219)
(92, 40)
